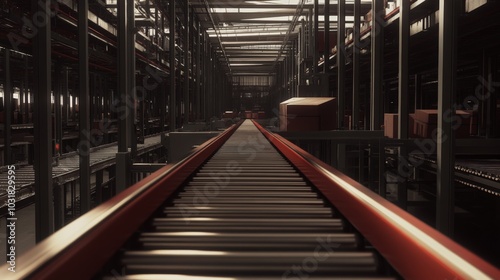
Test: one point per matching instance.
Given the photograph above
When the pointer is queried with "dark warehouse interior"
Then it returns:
(250, 139)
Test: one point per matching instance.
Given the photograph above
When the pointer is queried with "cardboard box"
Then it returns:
(321, 112)
(391, 125)
(302, 124)
(391, 129)
(229, 115)
(426, 123)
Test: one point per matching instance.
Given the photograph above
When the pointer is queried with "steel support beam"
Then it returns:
(314, 38)
(26, 85)
(42, 81)
(7, 95)
(403, 96)
(377, 64)
(310, 37)
(403, 75)
(203, 79)
(99, 178)
(23, 92)
(197, 99)
(84, 105)
(187, 34)
(58, 93)
(326, 50)
(163, 88)
(172, 101)
(356, 53)
(293, 59)
(205, 62)
(131, 92)
(66, 95)
(445, 137)
(341, 67)
(123, 155)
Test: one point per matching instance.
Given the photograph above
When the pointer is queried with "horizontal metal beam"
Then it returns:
(340, 135)
(146, 167)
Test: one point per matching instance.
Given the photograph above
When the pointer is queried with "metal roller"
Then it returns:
(247, 212)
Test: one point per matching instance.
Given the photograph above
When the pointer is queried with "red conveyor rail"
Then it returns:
(414, 249)
(80, 249)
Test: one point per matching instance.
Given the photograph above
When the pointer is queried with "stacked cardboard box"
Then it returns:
(391, 125)
(308, 114)
(426, 123)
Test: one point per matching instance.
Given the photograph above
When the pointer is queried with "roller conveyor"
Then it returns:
(260, 218)
(248, 206)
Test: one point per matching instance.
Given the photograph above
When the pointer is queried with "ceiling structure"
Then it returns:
(251, 36)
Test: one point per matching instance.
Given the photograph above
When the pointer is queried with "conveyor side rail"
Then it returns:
(414, 249)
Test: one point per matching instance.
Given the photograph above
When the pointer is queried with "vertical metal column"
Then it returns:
(293, 59)
(341, 63)
(163, 88)
(172, 102)
(123, 156)
(131, 93)
(23, 92)
(326, 51)
(197, 100)
(314, 38)
(66, 95)
(99, 176)
(57, 106)
(84, 106)
(42, 80)
(301, 54)
(404, 36)
(205, 77)
(28, 93)
(309, 38)
(187, 25)
(445, 137)
(377, 66)
(356, 52)
(403, 110)
(7, 94)
(210, 81)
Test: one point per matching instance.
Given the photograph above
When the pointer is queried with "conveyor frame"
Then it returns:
(414, 249)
